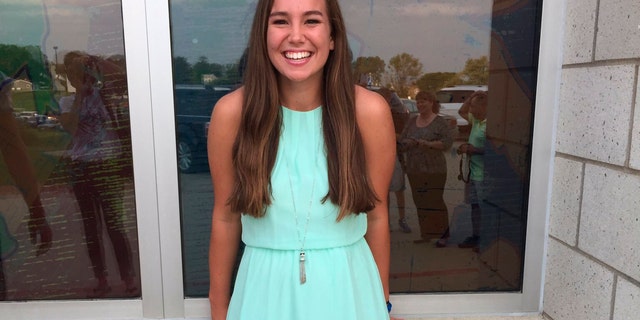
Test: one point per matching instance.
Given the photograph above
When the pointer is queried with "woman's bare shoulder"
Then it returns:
(370, 105)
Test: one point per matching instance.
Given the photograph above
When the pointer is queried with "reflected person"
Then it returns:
(474, 110)
(97, 176)
(423, 141)
(400, 117)
(16, 158)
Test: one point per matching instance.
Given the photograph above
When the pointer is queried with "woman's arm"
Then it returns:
(225, 224)
(376, 127)
(435, 144)
(464, 109)
(83, 84)
(469, 149)
(70, 116)
(405, 143)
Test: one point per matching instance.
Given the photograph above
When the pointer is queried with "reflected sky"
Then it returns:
(442, 34)
(94, 26)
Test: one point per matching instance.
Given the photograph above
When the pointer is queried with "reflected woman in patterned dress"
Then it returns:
(423, 142)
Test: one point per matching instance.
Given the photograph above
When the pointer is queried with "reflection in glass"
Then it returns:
(422, 146)
(447, 49)
(66, 153)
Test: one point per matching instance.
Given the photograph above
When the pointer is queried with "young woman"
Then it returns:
(301, 161)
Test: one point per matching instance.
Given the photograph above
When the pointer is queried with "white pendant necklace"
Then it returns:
(301, 240)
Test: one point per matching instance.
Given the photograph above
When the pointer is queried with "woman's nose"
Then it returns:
(297, 34)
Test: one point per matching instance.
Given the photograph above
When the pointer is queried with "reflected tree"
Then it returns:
(404, 70)
(203, 67)
(368, 70)
(182, 72)
(434, 81)
(26, 58)
(198, 73)
(476, 71)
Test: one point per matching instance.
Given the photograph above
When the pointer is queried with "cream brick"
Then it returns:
(580, 24)
(594, 116)
(627, 304)
(610, 219)
(565, 200)
(618, 34)
(575, 286)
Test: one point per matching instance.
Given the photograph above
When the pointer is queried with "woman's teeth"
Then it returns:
(297, 55)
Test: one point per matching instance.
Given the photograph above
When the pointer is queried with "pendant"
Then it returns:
(303, 274)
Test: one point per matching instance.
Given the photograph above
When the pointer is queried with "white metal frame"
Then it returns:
(148, 53)
(529, 301)
(147, 204)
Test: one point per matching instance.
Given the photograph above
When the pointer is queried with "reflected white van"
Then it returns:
(451, 99)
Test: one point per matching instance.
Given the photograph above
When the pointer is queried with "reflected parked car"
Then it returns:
(193, 107)
(28, 117)
(49, 122)
(411, 105)
(36, 120)
(451, 99)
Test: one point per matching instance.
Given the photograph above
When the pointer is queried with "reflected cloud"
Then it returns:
(472, 41)
(455, 8)
(460, 30)
(25, 9)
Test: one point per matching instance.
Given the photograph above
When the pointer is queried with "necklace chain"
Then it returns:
(303, 275)
(295, 211)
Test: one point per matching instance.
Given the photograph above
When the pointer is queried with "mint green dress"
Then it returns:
(342, 279)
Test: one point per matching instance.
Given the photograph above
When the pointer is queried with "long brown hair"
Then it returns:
(256, 145)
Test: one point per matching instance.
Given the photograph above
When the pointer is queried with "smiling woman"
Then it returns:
(288, 174)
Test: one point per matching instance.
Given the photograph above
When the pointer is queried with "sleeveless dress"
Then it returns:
(342, 279)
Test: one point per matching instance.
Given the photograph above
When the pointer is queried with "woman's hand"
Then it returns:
(465, 148)
(428, 144)
(407, 143)
(40, 233)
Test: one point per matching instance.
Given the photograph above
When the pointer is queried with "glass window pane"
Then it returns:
(208, 39)
(441, 240)
(460, 228)
(67, 202)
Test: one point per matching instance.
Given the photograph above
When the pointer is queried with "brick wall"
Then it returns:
(593, 259)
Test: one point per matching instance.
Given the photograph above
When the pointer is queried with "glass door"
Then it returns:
(77, 207)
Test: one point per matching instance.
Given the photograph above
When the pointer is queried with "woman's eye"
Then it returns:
(279, 22)
(313, 21)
